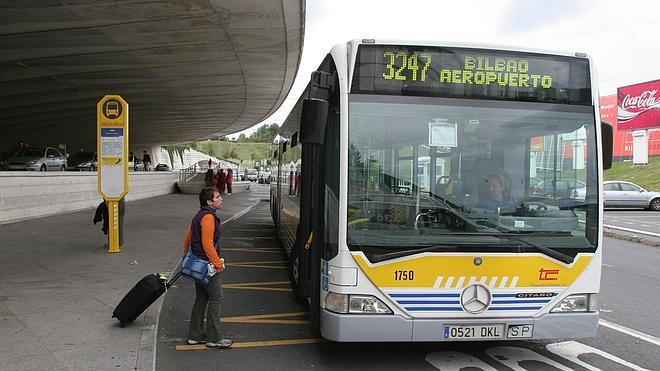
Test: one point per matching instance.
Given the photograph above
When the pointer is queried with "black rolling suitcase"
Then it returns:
(141, 296)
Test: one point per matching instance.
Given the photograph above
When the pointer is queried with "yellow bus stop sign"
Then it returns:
(112, 150)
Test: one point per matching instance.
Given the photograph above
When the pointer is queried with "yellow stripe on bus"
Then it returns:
(459, 271)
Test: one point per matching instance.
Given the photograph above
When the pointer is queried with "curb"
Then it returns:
(631, 237)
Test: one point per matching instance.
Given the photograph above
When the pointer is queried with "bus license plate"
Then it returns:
(452, 332)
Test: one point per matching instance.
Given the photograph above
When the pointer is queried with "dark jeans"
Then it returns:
(207, 301)
(228, 187)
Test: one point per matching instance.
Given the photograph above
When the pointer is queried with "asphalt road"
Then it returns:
(270, 328)
(641, 220)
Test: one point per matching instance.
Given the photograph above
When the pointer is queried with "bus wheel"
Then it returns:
(294, 275)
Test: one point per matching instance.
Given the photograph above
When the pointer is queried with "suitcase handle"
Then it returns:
(173, 279)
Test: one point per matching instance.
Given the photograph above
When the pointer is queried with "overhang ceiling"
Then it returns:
(189, 69)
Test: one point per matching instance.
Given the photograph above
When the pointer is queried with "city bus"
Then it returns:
(405, 193)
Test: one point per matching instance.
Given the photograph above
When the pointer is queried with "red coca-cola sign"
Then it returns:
(639, 106)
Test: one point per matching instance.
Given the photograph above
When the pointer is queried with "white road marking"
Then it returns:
(512, 356)
(631, 223)
(631, 230)
(628, 331)
(456, 361)
(571, 350)
(607, 265)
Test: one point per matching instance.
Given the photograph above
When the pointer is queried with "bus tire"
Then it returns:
(294, 276)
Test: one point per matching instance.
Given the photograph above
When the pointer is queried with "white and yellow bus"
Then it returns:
(429, 192)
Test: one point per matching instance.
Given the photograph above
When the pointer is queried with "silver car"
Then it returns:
(37, 159)
(618, 193)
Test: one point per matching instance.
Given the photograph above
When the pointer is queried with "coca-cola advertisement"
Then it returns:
(639, 106)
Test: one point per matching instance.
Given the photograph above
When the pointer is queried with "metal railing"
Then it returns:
(187, 173)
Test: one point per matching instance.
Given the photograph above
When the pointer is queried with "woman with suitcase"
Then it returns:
(202, 237)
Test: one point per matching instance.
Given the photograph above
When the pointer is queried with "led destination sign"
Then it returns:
(471, 73)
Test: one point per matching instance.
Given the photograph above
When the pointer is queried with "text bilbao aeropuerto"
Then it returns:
(471, 73)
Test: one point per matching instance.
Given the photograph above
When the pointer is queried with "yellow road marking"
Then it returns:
(273, 264)
(258, 286)
(271, 343)
(251, 238)
(257, 249)
(254, 344)
(192, 347)
(272, 230)
(259, 262)
(270, 321)
(259, 266)
(269, 315)
(266, 283)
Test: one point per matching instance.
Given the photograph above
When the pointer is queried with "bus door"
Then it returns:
(305, 256)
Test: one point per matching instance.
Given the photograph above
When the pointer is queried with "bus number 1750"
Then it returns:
(404, 275)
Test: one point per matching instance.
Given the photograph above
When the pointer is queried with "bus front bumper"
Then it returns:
(343, 327)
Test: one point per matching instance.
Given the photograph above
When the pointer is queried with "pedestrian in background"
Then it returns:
(208, 178)
(203, 236)
(221, 181)
(229, 179)
(132, 157)
(146, 161)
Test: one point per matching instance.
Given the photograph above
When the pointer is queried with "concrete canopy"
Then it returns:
(189, 69)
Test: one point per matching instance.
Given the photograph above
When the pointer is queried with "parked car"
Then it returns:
(162, 167)
(561, 188)
(264, 177)
(241, 174)
(37, 159)
(618, 193)
(83, 161)
(135, 164)
(251, 174)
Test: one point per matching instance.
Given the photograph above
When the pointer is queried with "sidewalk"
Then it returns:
(59, 285)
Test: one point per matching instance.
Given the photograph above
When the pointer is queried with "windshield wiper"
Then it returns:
(543, 249)
(377, 257)
(548, 251)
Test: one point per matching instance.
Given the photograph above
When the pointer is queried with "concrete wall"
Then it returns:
(27, 195)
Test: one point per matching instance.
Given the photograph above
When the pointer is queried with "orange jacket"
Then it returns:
(208, 229)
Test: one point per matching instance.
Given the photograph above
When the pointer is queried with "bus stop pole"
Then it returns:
(113, 226)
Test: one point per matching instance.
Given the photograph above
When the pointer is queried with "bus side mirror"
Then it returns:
(607, 137)
(314, 118)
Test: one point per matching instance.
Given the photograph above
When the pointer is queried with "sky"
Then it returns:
(622, 37)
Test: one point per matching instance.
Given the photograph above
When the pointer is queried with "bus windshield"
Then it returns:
(469, 175)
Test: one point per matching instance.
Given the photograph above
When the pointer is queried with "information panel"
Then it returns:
(112, 147)
(471, 73)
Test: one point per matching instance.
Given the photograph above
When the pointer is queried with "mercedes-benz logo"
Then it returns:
(475, 298)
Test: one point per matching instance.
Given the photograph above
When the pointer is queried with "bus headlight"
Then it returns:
(355, 304)
(577, 303)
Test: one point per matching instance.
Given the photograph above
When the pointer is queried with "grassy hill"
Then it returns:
(648, 176)
(247, 154)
